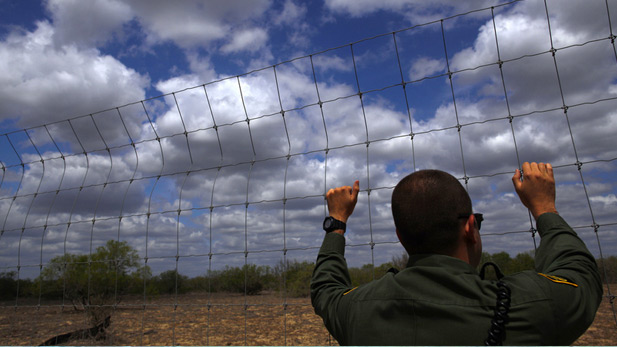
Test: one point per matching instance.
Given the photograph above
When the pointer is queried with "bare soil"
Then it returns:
(202, 319)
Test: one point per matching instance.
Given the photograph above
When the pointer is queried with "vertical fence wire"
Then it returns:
(145, 273)
(407, 107)
(177, 256)
(94, 215)
(23, 171)
(211, 216)
(326, 149)
(51, 205)
(285, 266)
(68, 225)
(21, 180)
(122, 206)
(13, 201)
(458, 123)
(500, 63)
(246, 211)
(596, 227)
(23, 228)
(578, 164)
(368, 176)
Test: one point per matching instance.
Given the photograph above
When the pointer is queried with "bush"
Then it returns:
(249, 279)
(170, 282)
(294, 278)
(8, 285)
(93, 282)
(608, 269)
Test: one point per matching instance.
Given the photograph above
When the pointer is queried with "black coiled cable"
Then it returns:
(497, 331)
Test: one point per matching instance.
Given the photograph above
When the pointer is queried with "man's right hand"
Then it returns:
(537, 188)
(342, 201)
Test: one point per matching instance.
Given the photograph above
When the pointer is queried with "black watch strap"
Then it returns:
(330, 224)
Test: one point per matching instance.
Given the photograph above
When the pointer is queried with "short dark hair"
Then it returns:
(426, 206)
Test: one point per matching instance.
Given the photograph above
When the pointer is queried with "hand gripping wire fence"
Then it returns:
(232, 174)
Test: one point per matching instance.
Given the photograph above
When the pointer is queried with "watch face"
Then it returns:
(327, 223)
(331, 224)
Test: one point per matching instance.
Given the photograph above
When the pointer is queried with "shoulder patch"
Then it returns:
(351, 290)
(558, 279)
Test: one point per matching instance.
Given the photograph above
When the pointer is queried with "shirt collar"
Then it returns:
(439, 260)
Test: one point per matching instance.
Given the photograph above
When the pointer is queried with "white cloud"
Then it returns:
(610, 199)
(40, 81)
(246, 40)
(291, 13)
(332, 62)
(417, 11)
(195, 23)
(87, 22)
(426, 67)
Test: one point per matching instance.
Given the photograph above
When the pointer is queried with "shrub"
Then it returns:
(249, 279)
(294, 278)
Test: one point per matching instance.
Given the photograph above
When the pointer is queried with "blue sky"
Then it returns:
(221, 62)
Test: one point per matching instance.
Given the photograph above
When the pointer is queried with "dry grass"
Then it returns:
(229, 320)
(603, 331)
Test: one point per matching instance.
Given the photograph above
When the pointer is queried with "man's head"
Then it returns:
(427, 207)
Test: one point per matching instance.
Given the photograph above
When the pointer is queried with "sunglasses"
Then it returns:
(479, 218)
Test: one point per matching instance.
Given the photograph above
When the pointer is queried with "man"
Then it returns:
(439, 298)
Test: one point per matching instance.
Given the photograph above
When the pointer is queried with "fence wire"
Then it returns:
(205, 177)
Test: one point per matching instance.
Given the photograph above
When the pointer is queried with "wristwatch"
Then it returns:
(330, 224)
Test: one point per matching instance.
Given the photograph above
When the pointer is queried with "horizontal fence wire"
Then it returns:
(58, 183)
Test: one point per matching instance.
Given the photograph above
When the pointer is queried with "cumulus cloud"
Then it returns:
(87, 23)
(426, 67)
(195, 23)
(417, 11)
(246, 40)
(40, 80)
(290, 14)
(229, 25)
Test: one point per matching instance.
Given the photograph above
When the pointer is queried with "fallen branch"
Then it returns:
(97, 331)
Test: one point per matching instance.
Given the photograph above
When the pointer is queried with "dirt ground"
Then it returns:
(201, 319)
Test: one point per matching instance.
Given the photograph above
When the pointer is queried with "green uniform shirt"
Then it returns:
(441, 300)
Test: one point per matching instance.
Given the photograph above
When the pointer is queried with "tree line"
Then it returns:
(115, 270)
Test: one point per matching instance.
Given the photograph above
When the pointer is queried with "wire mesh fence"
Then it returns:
(232, 174)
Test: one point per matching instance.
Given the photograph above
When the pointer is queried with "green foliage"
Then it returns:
(508, 265)
(250, 279)
(140, 278)
(170, 282)
(93, 282)
(101, 279)
(199, 284)
(8, 285)
(502, 259)
(361, 275)
(67, 276)
(295, 278)
(608, 269)
(102, 276)
(522, 262)
(368, 272)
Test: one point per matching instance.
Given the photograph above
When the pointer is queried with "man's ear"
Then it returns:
(469, 230)
(399, 236)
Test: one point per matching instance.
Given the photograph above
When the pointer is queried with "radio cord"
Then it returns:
(497, 331)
